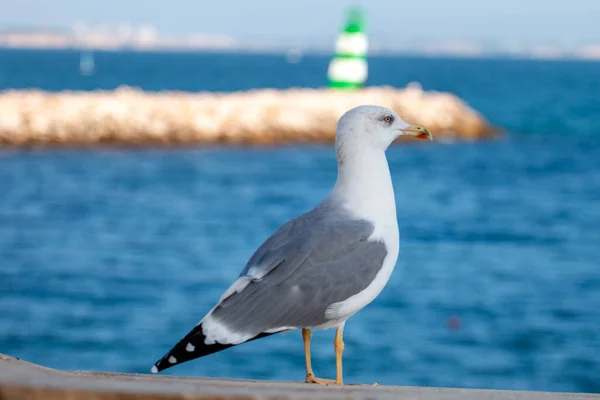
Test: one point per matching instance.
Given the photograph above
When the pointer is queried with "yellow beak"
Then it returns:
(418, 131)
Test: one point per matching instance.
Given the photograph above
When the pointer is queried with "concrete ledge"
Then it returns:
(20, 380)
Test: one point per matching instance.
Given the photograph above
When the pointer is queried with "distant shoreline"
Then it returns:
(312, 52)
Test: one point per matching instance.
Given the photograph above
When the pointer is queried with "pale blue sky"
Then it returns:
(556, 22)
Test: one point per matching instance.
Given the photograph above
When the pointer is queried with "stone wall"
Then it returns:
(257, 117)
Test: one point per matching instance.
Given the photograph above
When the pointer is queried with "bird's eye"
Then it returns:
(388, 119)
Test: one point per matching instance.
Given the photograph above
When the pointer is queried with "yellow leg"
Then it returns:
(310, 376)
(306, 336)
(338, 344)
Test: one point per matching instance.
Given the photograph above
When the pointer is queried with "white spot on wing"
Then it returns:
(154, 370)
(216, 332)
(172, 360)
(236, 287)
(281, 329)
(190, 347)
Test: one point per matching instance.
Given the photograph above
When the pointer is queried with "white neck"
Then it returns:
(364, 185)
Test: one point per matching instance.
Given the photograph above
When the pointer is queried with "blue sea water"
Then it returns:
(108, 257)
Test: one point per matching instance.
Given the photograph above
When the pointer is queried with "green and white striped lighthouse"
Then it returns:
(348, 68)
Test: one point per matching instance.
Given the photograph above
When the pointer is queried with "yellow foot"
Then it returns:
(319, 381)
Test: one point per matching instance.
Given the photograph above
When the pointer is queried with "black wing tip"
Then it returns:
(190, 347)
(193, 346)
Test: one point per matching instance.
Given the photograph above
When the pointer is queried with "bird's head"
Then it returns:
(375, 126)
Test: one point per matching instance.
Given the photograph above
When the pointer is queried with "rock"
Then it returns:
(129, 116)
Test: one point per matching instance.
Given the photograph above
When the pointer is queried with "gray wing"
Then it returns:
(311, 262)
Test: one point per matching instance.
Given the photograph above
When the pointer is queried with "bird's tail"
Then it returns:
(193, 346)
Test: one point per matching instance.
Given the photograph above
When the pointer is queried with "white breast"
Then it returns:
(365, 189)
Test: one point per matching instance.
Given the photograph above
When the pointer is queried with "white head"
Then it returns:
(374, 126)
(364, 183)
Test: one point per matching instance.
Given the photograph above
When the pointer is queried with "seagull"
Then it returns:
(320, 268)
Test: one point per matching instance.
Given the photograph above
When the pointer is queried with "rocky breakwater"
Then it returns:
(131, 117)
